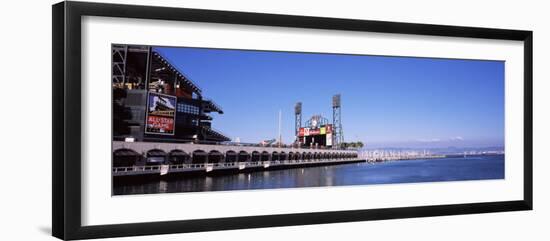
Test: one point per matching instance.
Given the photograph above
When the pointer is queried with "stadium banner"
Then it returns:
(314, 132)
(160, 114)
(323, 130)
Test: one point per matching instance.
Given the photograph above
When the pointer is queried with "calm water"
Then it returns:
(410, 171)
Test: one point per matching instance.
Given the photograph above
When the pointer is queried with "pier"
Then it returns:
(385, 155)
(151, 158)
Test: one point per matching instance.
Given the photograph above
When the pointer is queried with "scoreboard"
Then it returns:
(316, 135)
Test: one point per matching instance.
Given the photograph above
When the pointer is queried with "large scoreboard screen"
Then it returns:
(318, 136)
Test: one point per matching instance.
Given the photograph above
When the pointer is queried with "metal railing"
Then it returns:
(230, 143)
(221, 165)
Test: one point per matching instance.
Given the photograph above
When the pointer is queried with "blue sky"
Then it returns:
(386, 101)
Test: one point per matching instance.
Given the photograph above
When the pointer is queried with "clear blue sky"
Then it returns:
(386, 101)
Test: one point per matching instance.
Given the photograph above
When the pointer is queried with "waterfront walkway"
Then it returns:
(152, 158)
(229, 166)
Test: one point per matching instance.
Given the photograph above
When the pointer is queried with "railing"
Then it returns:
(229, 143)
(277, 145)
(221, 165)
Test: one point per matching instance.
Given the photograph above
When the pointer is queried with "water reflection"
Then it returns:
(163, 186)
(490, 167)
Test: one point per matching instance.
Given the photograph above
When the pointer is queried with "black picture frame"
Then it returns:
(66, 157)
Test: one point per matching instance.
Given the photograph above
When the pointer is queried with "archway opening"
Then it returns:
(255, 156)
(265, 156)
(199, 156)
(125, 157)
(155, 157)
(282, 156)
(230, 156)
(176, 157)
(244, 156)
(275, 156)
(215, 156)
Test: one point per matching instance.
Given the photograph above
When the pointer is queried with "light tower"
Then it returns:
(298, 118)
(280, 135)
(338, 134)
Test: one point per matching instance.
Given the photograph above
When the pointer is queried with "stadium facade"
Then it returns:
(154, 101)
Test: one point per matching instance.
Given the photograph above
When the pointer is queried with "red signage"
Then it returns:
(160, 124)
(313, 132)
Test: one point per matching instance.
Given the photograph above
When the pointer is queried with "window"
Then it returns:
(186, 108)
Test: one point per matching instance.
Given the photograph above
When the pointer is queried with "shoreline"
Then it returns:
(443, 156)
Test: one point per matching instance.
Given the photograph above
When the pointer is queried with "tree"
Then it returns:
(344, 145)
(358, 144)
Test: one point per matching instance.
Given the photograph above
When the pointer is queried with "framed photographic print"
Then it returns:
(169, 120)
